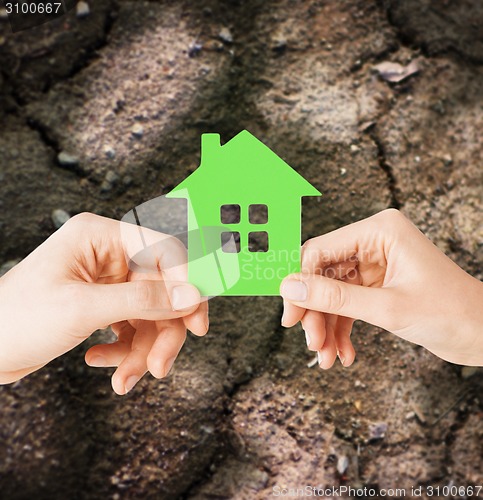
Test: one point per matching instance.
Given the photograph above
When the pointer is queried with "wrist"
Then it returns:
(471, 325)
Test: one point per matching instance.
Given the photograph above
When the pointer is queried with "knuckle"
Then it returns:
(333, 296)
(82, 218)
(144, 296)
(309, 252)
(307, 245)
(80, 221)
(392, 216)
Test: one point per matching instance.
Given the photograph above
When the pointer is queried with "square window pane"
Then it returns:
(258, 241)
(230, 214)
(230, 242)
(258, 214)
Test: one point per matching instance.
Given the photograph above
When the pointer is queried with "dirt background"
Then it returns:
(242, 412)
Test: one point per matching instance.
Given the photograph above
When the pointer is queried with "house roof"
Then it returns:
(242, 164)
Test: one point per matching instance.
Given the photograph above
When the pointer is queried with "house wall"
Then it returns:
(216, 272)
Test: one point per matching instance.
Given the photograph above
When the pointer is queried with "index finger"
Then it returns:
(365, 240)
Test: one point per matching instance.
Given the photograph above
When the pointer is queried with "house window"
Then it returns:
(258, 241)
(258, 214)
(230, 214)
(230, 242)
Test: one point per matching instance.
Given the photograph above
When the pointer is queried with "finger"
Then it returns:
(370, 240)
(134, 365)
(148, 250)
(198, 322)
(345, 349)
(147, 300)
(123, 330)
(326, 356)
(166, 347)
(374, 305)
(103, 355)
(313, 324)
(292, 314)
(339, 270)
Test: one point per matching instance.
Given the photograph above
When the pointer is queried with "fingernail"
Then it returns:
(98, 362)
(342, 358)
(307, 339)
(319, 356)
(184, 297)
(168, 365)
(294, 290)
(282, 322)
(130, 383)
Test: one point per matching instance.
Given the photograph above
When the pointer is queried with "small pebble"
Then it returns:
(225, 35)
(258, 480)
(106, 186)
(279, 43)
(377, 431)
(343, 171)
(418, 412)
(410, 415)
(82, 9)
(195, 49)
(111, 177)
(208, 429)
(355, 148)
(342, 464)
(137, 130)
(59, 218)
(109, 151)
(67, 160)
(448, 160)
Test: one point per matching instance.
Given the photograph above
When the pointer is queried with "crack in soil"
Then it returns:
(386, 167)
(225, 447)
(44, 134)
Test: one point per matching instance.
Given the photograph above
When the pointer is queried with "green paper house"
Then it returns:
(244, 217)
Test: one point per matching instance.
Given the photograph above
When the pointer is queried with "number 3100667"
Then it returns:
(33, 8)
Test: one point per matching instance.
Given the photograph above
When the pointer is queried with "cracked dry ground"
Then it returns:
(242, 412)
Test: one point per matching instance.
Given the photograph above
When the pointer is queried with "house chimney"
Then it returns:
(209, 145)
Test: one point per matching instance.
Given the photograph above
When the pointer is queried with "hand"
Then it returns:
(91, 273)
(389, 274)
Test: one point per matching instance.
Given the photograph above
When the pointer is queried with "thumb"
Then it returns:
(373, 305)
(148, 300)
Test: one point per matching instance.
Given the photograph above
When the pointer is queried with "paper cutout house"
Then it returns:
(244, 217)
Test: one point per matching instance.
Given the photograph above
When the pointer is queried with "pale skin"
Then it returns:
(389, 274)
(95, 272)
(80, 280)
